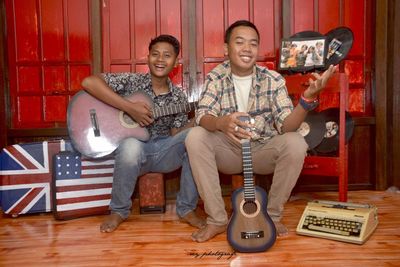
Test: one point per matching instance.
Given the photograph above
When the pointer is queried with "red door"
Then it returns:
(49, 53)
(49, 44)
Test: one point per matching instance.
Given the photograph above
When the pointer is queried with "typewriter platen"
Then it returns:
(341, 221)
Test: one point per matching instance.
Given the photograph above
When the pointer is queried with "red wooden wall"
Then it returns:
(49, 44)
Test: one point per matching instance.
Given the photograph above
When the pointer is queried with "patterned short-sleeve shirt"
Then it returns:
(128, 83)
(269, 103)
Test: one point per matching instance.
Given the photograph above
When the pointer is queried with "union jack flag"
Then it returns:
(82, 185)
(26, 175)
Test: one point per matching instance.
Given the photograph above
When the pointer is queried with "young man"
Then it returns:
(165, 151)
(240, 87)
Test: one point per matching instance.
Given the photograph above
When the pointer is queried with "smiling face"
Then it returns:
(242, 49)
(162, 59)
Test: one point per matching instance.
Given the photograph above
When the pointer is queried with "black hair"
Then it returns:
(166, 38)
(239, 23)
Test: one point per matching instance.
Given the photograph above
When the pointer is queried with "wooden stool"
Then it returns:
(151, 193)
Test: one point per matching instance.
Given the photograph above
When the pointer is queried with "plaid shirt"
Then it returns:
(269, 103)
(127, 83)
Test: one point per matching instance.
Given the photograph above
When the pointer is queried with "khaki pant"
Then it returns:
(210, 152)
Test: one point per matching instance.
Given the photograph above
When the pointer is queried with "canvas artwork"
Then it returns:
(302, 54)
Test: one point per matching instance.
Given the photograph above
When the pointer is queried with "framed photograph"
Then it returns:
(303, 54)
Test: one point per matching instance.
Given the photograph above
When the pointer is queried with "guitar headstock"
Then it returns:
(250, 121)
(247, 119)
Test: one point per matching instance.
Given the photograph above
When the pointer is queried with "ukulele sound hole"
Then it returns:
(249, 207)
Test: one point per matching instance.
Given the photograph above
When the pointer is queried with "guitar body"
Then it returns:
(96, 128)
(250, 228)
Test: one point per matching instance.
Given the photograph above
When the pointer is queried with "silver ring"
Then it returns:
(236, 128)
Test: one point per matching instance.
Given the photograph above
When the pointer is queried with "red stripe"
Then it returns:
(98, 175)
(25, 201)
(53, 148)
(95, 167)
(19, 179)
(21, 158)
(82, 199)
(82, 187)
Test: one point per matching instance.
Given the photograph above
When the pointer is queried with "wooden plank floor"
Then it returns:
(162, 240)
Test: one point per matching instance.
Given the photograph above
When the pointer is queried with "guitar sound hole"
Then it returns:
(249, 207)
(127, 120)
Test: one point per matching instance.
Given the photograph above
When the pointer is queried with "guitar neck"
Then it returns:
(173, 109)
(249, 189)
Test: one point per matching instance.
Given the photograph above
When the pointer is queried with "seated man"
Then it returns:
(239, 87)
(165, 151)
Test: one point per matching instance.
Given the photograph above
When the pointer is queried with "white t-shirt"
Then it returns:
(242, 90)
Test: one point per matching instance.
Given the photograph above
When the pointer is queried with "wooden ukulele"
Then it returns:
(250, 229)
(96, 128)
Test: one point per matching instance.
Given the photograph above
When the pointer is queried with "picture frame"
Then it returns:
(303, 54)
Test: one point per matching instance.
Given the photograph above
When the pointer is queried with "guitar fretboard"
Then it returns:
(173, 109)
(249, 189)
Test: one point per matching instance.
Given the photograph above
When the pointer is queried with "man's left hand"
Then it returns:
(319, 83)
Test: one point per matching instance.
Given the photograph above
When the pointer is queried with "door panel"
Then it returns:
(26, 30)
(145, 27)
(171, 18)
(302, 18)
(328, 15)
(78, 30)
(237, 10)
(119, 30)
(53, 26)
(266, 18)
(212, 28)
(54, 79)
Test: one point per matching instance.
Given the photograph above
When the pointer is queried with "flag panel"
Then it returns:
(82, 186)
(26, 175)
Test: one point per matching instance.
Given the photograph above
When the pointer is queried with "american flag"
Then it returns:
(26, 175)
(82, 185)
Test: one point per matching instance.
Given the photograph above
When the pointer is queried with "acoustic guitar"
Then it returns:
(96, 128)
(250, 229)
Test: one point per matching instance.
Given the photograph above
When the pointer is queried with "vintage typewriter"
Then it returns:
(342, 221)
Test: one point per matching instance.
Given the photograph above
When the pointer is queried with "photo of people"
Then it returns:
(301, 54)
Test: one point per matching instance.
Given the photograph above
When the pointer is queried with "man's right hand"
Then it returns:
(233, 127)
(141, 112)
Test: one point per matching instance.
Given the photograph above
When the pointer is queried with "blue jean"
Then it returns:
(134, 158)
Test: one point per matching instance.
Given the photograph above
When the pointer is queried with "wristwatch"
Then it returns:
(308, 104)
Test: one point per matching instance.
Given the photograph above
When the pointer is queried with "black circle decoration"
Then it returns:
(330, 141)
(313, 129)
(340, 41)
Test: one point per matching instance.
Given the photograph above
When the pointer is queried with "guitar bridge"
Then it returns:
(252, 234)
(95, 123)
